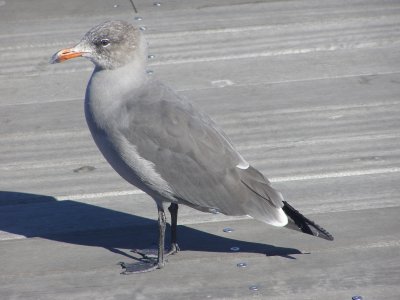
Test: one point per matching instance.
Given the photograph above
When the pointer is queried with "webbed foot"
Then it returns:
(140, 266)
(153, 253)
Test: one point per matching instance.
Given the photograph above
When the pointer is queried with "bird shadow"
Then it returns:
(69, 221)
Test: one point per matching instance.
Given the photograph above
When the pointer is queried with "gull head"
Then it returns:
(109, 45)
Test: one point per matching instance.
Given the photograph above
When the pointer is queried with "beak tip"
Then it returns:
(65, 54)
(54, 59)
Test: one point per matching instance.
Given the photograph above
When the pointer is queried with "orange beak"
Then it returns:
(65, 54)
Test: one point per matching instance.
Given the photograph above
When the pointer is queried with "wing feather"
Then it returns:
(196, 158)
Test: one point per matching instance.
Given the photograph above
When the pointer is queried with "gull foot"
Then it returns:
(146, 253)
(153, 253)
(174, 249)
(140, 266)
(148, 261)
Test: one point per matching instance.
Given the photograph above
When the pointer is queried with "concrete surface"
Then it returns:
(307, 90)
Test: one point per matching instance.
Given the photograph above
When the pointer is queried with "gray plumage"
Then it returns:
(159, 142)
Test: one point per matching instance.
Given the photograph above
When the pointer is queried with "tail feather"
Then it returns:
(299, 222)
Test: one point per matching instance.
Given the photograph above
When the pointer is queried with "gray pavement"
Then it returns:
(307, 90)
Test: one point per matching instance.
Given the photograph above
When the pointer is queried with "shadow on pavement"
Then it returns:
(74, 222)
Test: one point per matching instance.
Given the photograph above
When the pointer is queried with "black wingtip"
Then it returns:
(299, 222)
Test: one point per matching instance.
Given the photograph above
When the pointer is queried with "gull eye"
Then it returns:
(105, 42)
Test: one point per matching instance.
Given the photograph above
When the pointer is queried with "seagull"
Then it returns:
(160, 143)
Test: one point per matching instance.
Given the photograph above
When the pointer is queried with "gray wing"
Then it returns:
(195, 157)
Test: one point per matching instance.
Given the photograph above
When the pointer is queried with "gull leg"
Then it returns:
(152, 253)
(162, 222)
(173, 209)
(148, 263)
